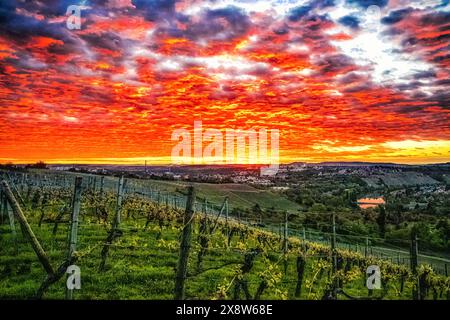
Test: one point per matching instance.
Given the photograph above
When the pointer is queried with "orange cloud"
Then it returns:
(115, 90)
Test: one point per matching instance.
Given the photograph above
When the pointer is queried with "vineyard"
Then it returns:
(130, 242)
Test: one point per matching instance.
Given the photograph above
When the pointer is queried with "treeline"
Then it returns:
(15, 167)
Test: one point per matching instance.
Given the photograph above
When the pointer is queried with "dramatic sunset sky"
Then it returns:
(338, 80)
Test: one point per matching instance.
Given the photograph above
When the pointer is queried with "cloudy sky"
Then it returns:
(340, 79)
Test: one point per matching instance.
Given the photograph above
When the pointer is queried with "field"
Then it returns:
(225, 259)
(400, 179)
(240, 195)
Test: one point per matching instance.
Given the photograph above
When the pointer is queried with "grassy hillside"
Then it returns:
(240, 195)
(399, 179)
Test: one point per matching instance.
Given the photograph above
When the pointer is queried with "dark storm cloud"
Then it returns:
(212, 24)
(444, 28)
(55, 8)
(443, 4)
(351, 78)
(424, 35)
(48, 8)
(412, 85)
(24, 62)
(392, 31)
(443, 82)
(324, 3)
(439, 59)
(367, 3)
(435, 18)
(425, 74)
(442, 98)
(156, 9)
(396, 16)
(350, 21)
(316, 22)
(335, 64)
(296, 14)
(411, 110)
(358, 88)
(281, 30)
(106, 40)
(20, 28)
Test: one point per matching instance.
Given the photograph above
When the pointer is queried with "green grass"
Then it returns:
(240, 196)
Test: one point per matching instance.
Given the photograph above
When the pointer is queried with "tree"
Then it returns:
(308, 201)
(8, 166)
(38, 165)
(318, 207)
(256, 209)
(443, 226)
(381, 221)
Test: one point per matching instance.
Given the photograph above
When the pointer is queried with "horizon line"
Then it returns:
(155, 164)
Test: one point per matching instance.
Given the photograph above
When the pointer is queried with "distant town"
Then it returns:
(375, 175)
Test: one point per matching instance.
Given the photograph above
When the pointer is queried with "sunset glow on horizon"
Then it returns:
(339, 81)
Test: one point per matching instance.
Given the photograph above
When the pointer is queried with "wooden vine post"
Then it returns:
(185, 245)
(120, 192)
(227, 226)
(42, 256)
(226, 211)
(285, 242)
(114, 232)
(14, 188)
(12, 224)
(301, 264)
(366, 250)
(76, 204)
(414, 264)
(1, 207)
(334, 260)
(5, 210)
(102, 185)
(304, 239)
